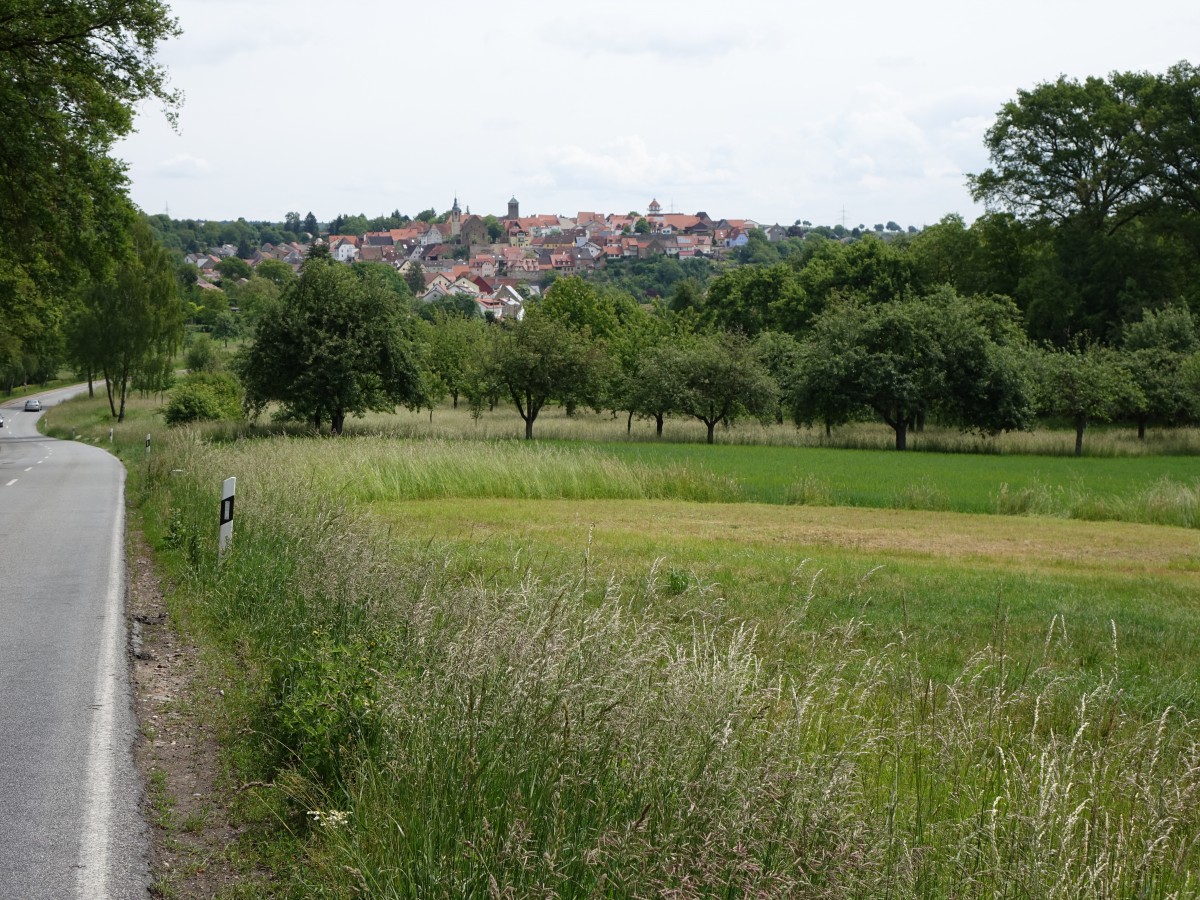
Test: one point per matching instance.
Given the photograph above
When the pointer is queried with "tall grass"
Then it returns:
(542, 734)
(585, 426)
(378, 468)
(1165, 502)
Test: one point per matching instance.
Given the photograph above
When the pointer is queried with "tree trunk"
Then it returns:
(1141, 428)
(454, 398)
(711, 428)
(529, 428)
(658, 423)
(108, 388)
(1080, 425)
(124, 393)
(629, 423)
(337, 421)
(91, 386)
(828, 429)
(901, 435)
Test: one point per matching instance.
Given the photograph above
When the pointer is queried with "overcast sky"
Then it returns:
(774, 110)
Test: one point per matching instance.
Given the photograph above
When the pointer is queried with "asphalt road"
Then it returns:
(70, 826)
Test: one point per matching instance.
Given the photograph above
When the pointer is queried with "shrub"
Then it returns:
(201, 355)
(204, 397)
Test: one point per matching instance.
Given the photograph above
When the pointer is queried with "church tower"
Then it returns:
(455, 219)
(514, 208)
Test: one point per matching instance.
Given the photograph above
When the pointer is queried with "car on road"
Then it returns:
(1, 421)
(33, 405)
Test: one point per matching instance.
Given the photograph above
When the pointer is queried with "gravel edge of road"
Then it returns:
(176, 750)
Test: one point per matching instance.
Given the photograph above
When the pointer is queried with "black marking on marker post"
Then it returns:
(226, 510)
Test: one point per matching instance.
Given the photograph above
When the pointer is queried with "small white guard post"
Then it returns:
(227, 491)
(147, 446)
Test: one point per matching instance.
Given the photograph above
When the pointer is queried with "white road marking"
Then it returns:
(11, 483)
(30, 469)
(97, 825)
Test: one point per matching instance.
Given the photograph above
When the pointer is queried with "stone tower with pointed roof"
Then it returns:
(514, 208)
(655, 208)
(455, 219)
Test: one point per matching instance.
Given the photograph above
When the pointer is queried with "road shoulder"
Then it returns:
(176, 750)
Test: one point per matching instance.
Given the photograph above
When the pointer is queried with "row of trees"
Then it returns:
(341, 341)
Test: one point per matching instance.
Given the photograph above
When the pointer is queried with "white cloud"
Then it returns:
(626, 162)
(771, 109)
(184, 165)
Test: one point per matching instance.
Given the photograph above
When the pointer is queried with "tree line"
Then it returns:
(342, 340)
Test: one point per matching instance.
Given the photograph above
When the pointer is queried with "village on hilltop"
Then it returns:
(496, 261)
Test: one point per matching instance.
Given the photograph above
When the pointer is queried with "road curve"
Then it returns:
(70, 825)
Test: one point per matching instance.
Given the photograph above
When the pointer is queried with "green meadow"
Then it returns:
(481, 667)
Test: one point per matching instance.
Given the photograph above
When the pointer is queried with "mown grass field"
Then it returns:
(486, 668)
(943, 583)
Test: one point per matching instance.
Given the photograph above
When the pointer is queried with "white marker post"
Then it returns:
(228, 488)
(147, 446)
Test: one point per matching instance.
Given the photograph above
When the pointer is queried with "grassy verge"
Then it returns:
(24, 390)
(512, 696)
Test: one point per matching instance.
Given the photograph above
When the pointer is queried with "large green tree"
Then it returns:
(578, 304)
(718, 377)
(452, 343)
(335, 344)
(73, 72)
(1085, 384)
(1067, 150)
(128, 324)
(753, 298)
(940, 354)
(539, 359)
(870, 269)
(1169, 120)
(1155, 350)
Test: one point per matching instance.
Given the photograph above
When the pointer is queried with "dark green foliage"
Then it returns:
(232, 268)
(656, 276)
(1066, 150)
(1085, 384)
(455, 305)
(941, 354)
(719, 377)
(129, 324)
(753, 298)
(539, 359)
(204, 397)
(335, 344)
(414, 275)
(73, 72)
(201, 354)
(1105, 173)
(1156, 349)
(872, 270)
(324, 716)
